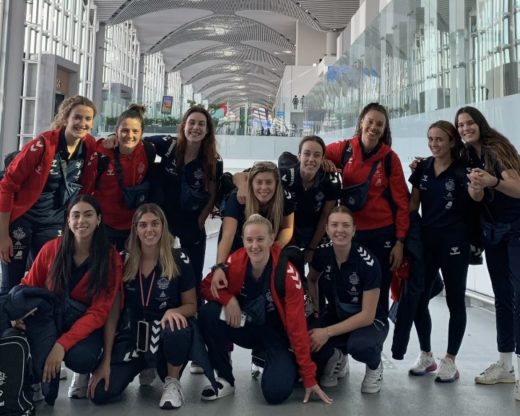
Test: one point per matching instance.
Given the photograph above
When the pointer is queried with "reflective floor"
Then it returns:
(401, 394)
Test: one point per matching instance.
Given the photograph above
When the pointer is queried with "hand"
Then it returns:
(110, 142)
(171, 316)
(482, 178)
(52, 366)
(328, 166)
(240, 182)
(19, 324)
(233, 313)
(218, 281)
(242, 194)
(319, 337)
(396, 255)
(100, 373)
(415, 162)
(317, 390)
(6, 249)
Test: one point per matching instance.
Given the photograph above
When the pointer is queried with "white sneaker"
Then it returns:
(517, 390)
(78, 386)
(147, 376)
(172, 396)
(37, 395)
(496, 373)
(332, 369)
(425, 363)
(448, 371)
(224, 389)
(256, 371)
(196, 369)
(343, 367)
(373, 380)
(64, 374)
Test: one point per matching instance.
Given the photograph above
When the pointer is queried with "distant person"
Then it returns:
(302, 100)
(295, 102)
(40, 182)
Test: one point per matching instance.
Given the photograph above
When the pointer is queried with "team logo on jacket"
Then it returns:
(354, 279)
(141, 168)
(326, 274)
(450, 185)
(455, 251)
(365, 256)
(19, 234)
(293, 274)
(448, 205)
(163, 283)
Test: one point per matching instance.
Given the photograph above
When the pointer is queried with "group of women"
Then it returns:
(149, 302)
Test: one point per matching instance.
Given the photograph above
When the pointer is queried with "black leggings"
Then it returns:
(447, 250)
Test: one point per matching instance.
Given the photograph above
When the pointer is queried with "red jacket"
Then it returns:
(100, 305)
(377, 212)
(27, 174)
(291, 309)
(109, 193)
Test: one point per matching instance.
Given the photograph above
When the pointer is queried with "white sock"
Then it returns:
(507, 359)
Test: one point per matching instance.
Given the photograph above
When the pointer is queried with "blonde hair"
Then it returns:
(274, 209)
(60, 120)
(257, 219)
(133, 245)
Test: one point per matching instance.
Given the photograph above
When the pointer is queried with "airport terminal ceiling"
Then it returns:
(218, 45)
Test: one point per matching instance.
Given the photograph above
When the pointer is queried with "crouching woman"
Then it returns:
(352, 322)
(251, 313)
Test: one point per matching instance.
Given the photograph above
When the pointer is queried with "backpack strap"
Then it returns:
(149, 149)
(388, 164)
(347, 154)
(102, 166)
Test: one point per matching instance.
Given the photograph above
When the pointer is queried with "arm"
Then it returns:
(365, 317)
(508, 183)
(178, 315)
(286, 230)
(240, 182)
(415, 199)
(6, 244)
(320, 228)
(312, 282)
(212, 189)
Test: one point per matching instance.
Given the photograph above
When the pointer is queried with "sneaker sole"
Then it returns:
(370, 391)
(450, 380)
(330, 383)
(430, 369)
(493, 382)
(169, 406)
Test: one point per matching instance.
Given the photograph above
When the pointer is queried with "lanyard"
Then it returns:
(145, 305)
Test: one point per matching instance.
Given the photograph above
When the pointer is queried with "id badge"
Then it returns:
(143, 334)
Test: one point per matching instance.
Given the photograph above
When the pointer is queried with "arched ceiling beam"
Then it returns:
(238, 69)
(238, 86)
(236, 78)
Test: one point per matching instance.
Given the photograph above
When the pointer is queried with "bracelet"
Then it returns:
(222, 266)
(496, 184)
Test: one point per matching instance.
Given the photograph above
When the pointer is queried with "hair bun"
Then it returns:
(138, 108)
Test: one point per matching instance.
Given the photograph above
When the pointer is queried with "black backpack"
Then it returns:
(15, 374)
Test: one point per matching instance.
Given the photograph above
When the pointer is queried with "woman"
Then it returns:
(350, 279)
(187, 182)
(367, 158)
(122, 183)
(265, 196)
(85, 272)
(439, 187)
(274, 324)
(495, 181)
(313, 192)
(160, 304)
(40, 182)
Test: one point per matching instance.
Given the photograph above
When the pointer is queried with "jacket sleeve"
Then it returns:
(23, 165)
(400, 196)
(96, 315)
(205, 291)
(334, 152)
(41, 267)
(296, 324)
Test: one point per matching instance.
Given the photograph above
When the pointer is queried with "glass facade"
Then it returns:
(419, 56)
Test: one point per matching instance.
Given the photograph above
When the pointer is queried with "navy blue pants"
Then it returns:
(447, 250)
(380, 243)
(503, 263)
(174, 349)
(28, 238)
(280, 371)
(364, 344)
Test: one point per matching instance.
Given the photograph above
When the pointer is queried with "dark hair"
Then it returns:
(386, 137)
(135, 111)
(208, 146)
(498, 146)
(341, 209)
(453, 135)
(99, 259)
(316, 139)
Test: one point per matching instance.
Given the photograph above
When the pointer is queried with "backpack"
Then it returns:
(295, 256)
(15, 374)
(11, 156)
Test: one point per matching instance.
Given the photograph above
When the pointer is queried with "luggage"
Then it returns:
(15, 374)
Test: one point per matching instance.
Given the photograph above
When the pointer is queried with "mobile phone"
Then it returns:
(143, 334)
(243, 317)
